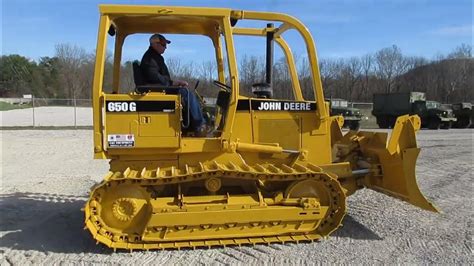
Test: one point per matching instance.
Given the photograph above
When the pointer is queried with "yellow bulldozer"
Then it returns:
(269, 170)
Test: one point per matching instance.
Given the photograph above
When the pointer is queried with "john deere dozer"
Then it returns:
(269, 171)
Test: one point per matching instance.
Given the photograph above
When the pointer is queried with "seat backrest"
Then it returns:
(138, 77)
(141, 86)
(223, 99)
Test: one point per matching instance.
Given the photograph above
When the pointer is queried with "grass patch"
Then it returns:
(4, 106)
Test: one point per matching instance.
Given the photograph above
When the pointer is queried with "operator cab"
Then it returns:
(219, 110)
(202, 31)
(188, 116)
(130, 114)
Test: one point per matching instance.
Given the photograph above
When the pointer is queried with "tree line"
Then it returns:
(69, 74)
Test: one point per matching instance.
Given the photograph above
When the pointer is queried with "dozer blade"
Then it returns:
(395, 175)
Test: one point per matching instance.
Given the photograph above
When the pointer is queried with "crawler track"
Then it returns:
(134, 210)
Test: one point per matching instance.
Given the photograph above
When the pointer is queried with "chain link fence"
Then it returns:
(43, 112)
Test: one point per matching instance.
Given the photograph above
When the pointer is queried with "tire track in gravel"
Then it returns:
(450, 177)
(252, 253)
(432, 246)
(234, 253)
(247, 253)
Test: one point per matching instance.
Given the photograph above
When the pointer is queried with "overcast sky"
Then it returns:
(341, 28)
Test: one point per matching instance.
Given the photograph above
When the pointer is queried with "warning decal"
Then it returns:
(121, 141)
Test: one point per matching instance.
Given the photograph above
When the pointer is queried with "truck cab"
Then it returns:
(352, 116)
(438, 115)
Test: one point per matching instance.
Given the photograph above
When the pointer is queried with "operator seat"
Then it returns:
(141, 86)
(222, 104)
(190, 118)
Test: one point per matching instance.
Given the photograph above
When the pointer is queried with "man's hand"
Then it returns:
(180, 83)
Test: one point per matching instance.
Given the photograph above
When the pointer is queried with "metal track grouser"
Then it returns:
(268, 170)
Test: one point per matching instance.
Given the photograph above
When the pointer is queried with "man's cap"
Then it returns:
(159, 37)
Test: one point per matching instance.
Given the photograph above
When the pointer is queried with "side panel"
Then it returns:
(134, 122)
(293, 125)
(278, 128)
(392, 104)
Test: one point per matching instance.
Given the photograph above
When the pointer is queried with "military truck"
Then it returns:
(464, 114)
(352, 116)
(388, 106)
(441, 115)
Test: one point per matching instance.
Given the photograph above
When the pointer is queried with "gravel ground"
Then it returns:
(46, 175)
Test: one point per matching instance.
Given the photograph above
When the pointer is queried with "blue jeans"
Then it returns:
(191, 103)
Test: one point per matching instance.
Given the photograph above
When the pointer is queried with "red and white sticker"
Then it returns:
(120, 140)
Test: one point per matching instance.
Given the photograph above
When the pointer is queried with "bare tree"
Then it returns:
(329, 71)
(251, 70)
(72, 59)
(350, 74)
(208, 73)
(126, 76)
(413, 82)
(458, 76)
(390, 64)
(367, 67)
(180, 70)
(282, 87)
(462, 51)
(304, 77)
(413, 62)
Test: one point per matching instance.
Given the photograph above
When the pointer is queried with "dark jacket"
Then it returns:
(154, 68)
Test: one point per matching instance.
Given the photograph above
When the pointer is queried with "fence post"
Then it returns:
(33, 108)
(75, 114)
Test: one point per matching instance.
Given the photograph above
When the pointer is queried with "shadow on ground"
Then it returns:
(351, 228)
(45, 223)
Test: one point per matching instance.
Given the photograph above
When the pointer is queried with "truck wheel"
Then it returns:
(434, 123)
(391, 121)
(354, 125)
(465, 122)
(382, 122)
(446, 125)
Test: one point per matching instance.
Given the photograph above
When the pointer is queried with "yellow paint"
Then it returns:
(264, 177)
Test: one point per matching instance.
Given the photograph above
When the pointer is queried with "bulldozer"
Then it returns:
(268, 171)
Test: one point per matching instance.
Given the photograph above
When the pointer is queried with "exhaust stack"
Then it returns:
(269, 55)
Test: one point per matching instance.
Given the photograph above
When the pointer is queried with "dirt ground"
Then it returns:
(46, 176)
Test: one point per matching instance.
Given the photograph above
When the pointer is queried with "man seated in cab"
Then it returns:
(155, 71)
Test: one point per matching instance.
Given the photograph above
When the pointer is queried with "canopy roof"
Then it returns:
(165, 24)
(175, 20)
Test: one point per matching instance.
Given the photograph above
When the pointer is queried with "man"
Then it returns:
(155, 71)
(153, 64)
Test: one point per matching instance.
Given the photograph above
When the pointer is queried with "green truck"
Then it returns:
(352, 116)
(464, 114)
(388, 106)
